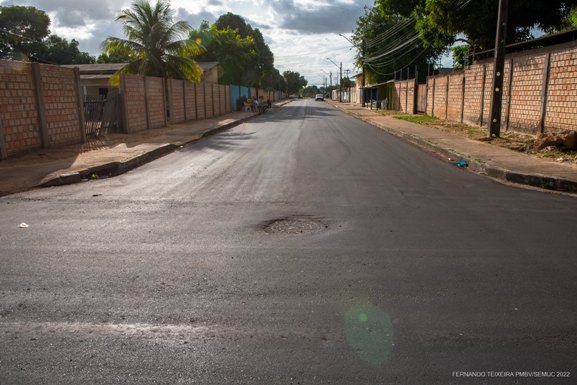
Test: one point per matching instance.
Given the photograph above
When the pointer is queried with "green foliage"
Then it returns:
(114, 58)
(570, 21)
(260, 60)
(58, 50)
(460, 55)
(347, 82)
(440, 21)
(390, 43)
(311, 91)
(232, 51)
(243, 56)
(154, 42)
(295, 82)
(24, 35)
(22, 30)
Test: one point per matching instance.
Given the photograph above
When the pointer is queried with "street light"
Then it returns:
(362, 49)
(340, 78)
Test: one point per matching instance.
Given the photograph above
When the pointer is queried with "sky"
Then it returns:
(302, 34)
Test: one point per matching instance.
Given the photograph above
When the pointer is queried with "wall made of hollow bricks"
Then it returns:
(487, 94)
(18, 109)
(134, 103)
(208, 95)
(526, 94)
(176, 101)
(455, 96)
(155, 102)
(222, 100)
(562, 91)
(411, 96)
(399, 97)
(201, 101)
(441, 96)
(190, 97)
(473, 94)
(61, 105)
(430, 94)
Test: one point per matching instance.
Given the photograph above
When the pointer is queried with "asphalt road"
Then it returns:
(388, 266)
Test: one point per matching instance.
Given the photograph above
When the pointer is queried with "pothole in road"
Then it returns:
(298, 224)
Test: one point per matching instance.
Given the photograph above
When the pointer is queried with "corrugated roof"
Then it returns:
(101, 69)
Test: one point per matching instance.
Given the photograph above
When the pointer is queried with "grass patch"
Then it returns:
(418, 119)
(516, 141)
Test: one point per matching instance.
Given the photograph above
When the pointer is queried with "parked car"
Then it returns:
(319, 97)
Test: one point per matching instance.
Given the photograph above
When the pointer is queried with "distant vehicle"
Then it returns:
(319, 97)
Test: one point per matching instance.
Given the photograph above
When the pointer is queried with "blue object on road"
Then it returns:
(462, 163)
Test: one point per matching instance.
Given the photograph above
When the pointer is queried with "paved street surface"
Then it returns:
(303, 247)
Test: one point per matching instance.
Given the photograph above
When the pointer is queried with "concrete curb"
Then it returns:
(117, 168)
(480, 167)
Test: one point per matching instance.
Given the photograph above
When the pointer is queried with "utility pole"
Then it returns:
(348, 86)
(363, 59)
(341, 84)
(498, 69)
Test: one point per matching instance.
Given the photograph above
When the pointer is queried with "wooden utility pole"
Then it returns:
(498, 69)
(341, 83)
(363, 87)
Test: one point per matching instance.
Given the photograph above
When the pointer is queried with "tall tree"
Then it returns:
(58, 50)
(232, 51)
(155, 42)
(22, 30)
(261, 58)
(114, 58)
(295, 82)
(441, 21)
(390, 44)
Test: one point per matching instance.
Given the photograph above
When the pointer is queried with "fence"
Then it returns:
(40, 106)
(43, 106)
(539, 92)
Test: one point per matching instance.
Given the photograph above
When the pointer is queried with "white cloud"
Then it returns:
(301, 33)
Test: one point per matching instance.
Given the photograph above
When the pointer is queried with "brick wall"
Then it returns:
(134, 97)
(155, 102)
(474, 80)
(455, 96)
(176, 89)
(208, 95)
(562, 91)
(441, 84)
(200, 101)
(430, 96)
(487, 90)
(61, 105)
(410, 84)
(398, 97)
(539, 91)
(222, 100)
(18, 109)
(39, 107)
(190, 100)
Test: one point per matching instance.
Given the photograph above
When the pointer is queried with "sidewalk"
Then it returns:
(483, 158)
(111, 155)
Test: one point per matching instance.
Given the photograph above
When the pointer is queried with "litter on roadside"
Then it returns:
(23, 225)
(462, 163)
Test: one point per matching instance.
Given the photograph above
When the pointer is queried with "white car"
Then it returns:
(319, 97)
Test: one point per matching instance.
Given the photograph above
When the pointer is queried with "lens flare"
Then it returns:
(369, 332)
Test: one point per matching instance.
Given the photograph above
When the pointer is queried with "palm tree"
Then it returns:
(157, 45)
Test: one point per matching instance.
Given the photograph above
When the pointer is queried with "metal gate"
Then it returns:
(102, 114)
